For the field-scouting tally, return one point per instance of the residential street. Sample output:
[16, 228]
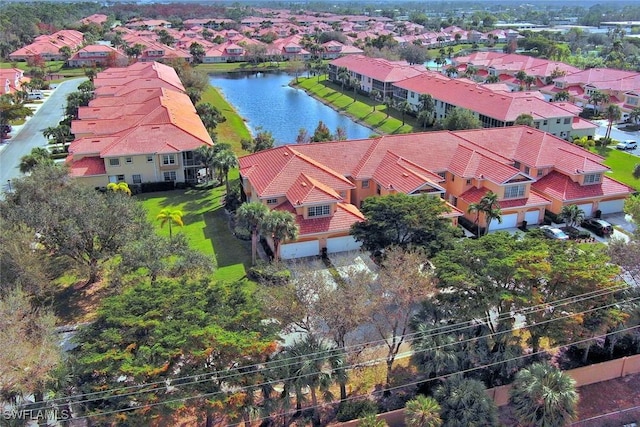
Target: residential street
[28, 136]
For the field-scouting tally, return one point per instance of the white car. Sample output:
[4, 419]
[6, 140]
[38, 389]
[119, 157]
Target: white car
[553, 233]
[35, 95]
[627, 145]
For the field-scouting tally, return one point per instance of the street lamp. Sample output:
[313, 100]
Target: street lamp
[9, 184]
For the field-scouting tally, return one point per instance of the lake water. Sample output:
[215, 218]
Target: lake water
[265, 100]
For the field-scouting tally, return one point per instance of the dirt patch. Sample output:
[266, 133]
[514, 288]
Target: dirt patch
[79, 303]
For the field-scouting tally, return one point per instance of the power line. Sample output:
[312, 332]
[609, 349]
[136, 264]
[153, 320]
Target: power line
[202, 395]
[207, 376]
[439, 330]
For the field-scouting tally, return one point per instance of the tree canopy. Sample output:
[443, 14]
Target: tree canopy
[460, 119]
[402, 220]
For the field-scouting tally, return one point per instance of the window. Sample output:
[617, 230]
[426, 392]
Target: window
[527, 170]
[516, 165]
[343, 194]
[514, 192]
[128, 160]
[272, 201]
[170, 176]
[116, 178]
[632, 101]
[544, 123]
[149, 158]
[592, 178]
[114, 162]
[567, 120]
[365, 183]
[557, 121]
[443, 175]
[137, 179]
[540, 172]
[468, 182]
[537, 125]
[323, 210]
[168, 159]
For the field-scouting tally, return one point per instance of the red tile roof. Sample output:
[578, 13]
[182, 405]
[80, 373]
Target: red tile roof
[341, 221]
[561, 187]
[87, 166]
[379, 69]
[474, 195]
[306, 190]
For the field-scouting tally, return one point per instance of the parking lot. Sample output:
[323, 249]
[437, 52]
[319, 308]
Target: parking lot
[617, 134]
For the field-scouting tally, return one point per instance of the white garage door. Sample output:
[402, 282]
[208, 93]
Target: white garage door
[587, 208]
[299, 250]
[508, 221]
[342, 244]
[532, 217]
[611, 206]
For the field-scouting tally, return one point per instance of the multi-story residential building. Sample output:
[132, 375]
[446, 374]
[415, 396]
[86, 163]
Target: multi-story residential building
[140, 128]
[48, 47]
[98, 55]
[324, 184]
[494, 108]
[11, 80]
[374, 73]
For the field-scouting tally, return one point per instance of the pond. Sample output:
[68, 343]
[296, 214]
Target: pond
[265, 100]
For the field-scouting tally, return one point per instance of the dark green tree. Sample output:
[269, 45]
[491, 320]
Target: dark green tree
[262, 141]
[465, 403]
[403, 220]
[460, 119]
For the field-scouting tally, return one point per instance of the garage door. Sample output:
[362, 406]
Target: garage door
[532, 217]
[299, 250]
[508, 221]
[587, 208]
[611, 206]
[342, 244]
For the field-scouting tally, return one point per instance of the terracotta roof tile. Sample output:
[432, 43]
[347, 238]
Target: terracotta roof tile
[306, 190]
[474, 195]
[87, 166]
[341, 221]
[561, 187]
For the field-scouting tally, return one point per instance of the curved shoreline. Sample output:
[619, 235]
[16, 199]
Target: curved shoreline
[339, 111]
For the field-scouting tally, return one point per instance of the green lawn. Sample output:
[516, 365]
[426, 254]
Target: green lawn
[621, 164]
[206, 225]
[234, 128]
[358, 107]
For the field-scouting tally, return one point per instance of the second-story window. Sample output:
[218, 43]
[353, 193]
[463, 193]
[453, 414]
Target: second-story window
[272, 201]
[168, 159]
[323, 210]
[114, 162]
[592, 178]
[365, 183]
[514, 192]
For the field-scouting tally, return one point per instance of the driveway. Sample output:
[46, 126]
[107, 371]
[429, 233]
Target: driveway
[28, 136]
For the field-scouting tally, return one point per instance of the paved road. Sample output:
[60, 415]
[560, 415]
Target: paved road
[30, 135]
[617, 134]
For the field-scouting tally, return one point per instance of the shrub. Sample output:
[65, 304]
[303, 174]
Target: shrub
[551, 217]
[274, 274]
[354, 409]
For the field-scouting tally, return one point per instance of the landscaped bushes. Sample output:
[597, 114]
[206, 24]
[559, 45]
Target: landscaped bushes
[470, 225]
[150, 187]
[270, 274]
[354, 409]
[550, 217]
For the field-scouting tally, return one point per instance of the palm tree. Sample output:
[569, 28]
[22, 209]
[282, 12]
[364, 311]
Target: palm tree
[520, 76]
[529, 80]
[435, 354]
[634, 115]
[371, 420]
[388, 102]
[404, 108]
[251, 215]
[492, 79]
[170, 216]
[280, 225]
[343, 76]
[613, 114]
[470, 71]
[207, 154]
[464, 402]
[451, 71]
[426, 108]
[60, 134]
[120, 187]
[38, 156]
[596, 98]
[316, 366]
[422, 411]
[226, 160]
[544, 396]
[488, 206]
[572, 215]
[375, 94]
[563, 95]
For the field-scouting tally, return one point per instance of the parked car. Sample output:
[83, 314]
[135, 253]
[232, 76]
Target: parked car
[598, 226]
[35, 95]
[553, 233]
[627, 145]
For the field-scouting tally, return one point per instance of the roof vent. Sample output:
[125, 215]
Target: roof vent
[286, 154]
[530, 132]
[304, 184]
[405, 174]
